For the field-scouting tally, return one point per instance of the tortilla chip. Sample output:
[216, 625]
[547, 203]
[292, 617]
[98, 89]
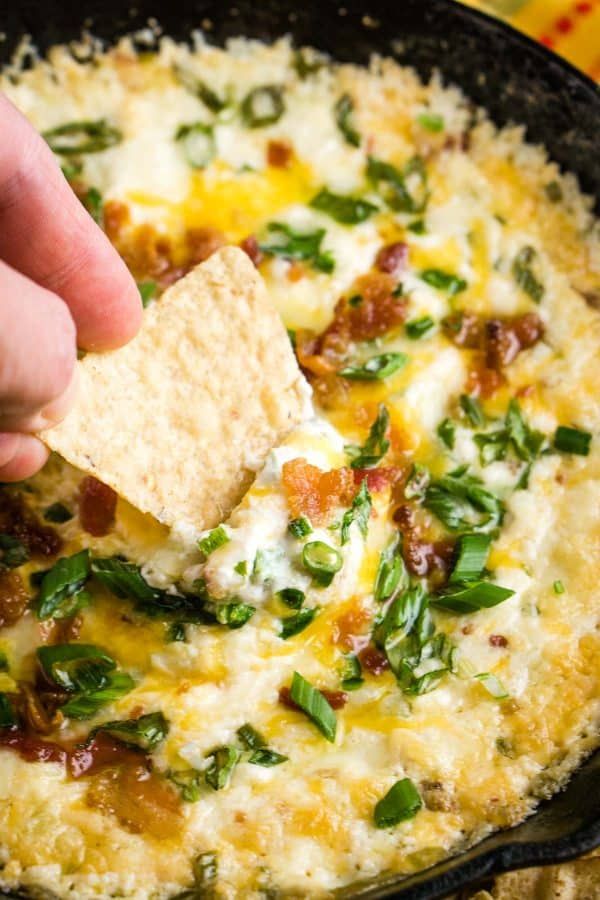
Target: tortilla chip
[178, 421]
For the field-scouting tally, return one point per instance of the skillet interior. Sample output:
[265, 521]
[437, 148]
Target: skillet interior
[514, 79]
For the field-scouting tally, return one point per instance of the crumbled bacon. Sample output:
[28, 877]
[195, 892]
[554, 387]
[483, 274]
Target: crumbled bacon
[380, 478]
[498, 342]
[251, 248]
[21, 523]
[14, 599]
[392, 258]
[350, 629]
[37, 717]
[200, 243]
[498, 640]
[422, 557]
[375, 313]
[279, 154]
[373, 660]
[313, 493]
[97, 506]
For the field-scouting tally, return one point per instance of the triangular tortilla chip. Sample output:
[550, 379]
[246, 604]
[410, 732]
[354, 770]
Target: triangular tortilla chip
[178, 421]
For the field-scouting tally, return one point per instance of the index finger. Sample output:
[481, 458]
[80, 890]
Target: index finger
[46, 234]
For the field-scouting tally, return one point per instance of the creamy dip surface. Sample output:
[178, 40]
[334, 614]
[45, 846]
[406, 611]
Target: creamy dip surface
[391, 647]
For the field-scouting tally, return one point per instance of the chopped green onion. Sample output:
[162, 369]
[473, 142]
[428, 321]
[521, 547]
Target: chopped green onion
[461, 502]
[431, 121]
[234, 615]
[402, 802]
[292, 597]
[4, 667]
[322, 561]
[263, 106]
[376, 445]
[293, 625]
[493, 685]
[223, 762]
[266, 757]
[343, 208]
[359, 512]
[58, 513]
[472, 554]
[443, 281]
[147, 291]
[418, 328]
[250, 738]
[472, 410]
[300, 527]
[200, 89]
[446, 432]
[417, 227]
[75, 667]
[376, 368]
[189, 784]
[471, 596]
[559, 587]
[417, 482]
[176, 633]
[404, 191]
[572, 440]
[123, 578]
[553, 191]
[198, 143]
[391, 573]
[73, 138]
[94, 204]
[215, 539]
[344, 116]
[524, 275]
[8, 718]
[351, 673]
[307, 62]
[71, 169]
[205, 871]
[299, 245]
[13, 552]
[86, 705]
[145, 732]
[66, 578]
[312, 702]
[241, 567]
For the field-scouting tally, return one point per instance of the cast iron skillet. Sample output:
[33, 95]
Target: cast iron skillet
[516, 80]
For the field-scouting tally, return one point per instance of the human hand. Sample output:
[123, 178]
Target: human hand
[62, 285]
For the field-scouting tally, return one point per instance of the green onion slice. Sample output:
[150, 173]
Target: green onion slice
[8, 718]
[402, 802]
[471, 596]
[404, 190]
[292, 597]
[376, 445]
[431, 121]
[344, 115]
[524, 275]
[198, 143]
[322, 561]
[312, 702]
[263, 106]
[376, 368]
[343, 208]
[293, 625]
[572, 440]
[13, 552]
[58, 513]
[359, 512]
[215, 539]
[87, 136]
[351, 673]
[300, 527]
[418, 328]
[443, 281]
[223, 761]
[472, 554]
[391, 573]
[66, 578]
[145, 732]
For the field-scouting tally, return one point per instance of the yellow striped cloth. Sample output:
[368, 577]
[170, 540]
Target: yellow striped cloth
[569, 27]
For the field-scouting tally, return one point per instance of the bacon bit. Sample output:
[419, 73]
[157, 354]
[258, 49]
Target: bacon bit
[422, 557]
[142, 801]
[102, 752]
[14, 599]
[499, 339]
[483, 382]
[436, 797]
[349, 629]
[373, 660]
[279, 154]
[20, 522]
[392, 258]
[498, 640]
[377, 313]
[34, 712]
[97, 506]
[336, 699]
[31, 749]
[116, 217]
[378, 479]
[252, 249]
[314, 493]
[468, 629]
[201, 243]
[464, 330]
